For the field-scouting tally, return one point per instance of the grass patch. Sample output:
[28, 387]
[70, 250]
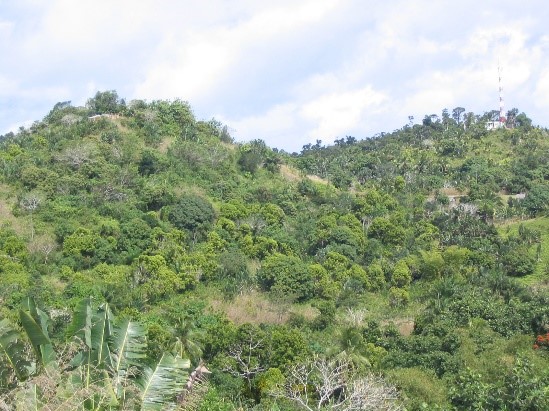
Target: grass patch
[255, 307]
[290, 173]
[7, 219]
[377, 307]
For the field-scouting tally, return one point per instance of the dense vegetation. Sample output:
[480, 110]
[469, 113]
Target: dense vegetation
[409, 270]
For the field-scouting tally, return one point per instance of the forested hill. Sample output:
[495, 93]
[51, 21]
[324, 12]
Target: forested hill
[408, 270]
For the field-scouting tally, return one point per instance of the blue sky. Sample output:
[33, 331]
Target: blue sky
[288, 72]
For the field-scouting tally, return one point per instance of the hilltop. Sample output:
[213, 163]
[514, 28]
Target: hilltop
[418, 255]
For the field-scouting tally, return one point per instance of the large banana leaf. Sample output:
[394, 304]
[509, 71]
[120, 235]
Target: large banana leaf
[81, 325]
[128, 350]
[95, 330]
[161, 384]
[38, 337]
[128, 346]
[39, 316]
[100, 335]
[13, 349]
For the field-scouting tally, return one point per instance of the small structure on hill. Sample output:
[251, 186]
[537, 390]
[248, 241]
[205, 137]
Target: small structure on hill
[104, 115]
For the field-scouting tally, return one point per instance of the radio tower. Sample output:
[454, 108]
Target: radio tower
[501, 104]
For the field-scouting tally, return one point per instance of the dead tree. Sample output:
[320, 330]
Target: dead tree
[322, 384]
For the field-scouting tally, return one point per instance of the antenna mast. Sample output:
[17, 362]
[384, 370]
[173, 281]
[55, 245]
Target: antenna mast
[501, 103]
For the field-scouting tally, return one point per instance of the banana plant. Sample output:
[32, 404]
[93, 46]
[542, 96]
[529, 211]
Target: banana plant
[128, 355]
[12, 356]
[13, 348]
[110, 371]
[161, 383]
[35, 323]
[116, 356]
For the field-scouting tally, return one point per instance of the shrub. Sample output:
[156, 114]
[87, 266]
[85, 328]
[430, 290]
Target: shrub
[398, 297]
[518, 262]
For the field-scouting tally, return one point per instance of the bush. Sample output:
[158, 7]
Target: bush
[376, 277]
[192, 213]
[537, 200]
[421, 388]
[518, 262]
[287, 275]
[402, 277]
[398, 297]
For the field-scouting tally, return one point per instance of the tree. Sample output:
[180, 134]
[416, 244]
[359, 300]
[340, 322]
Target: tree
[523, 122]
[155, 279]
[445, 118]
[431, 264]
[78, 155]
[286, 274]
[186, 342]
[286, 346]
[253, 155]
[518, 262]
[30, 203]
[537, 200]
[15, 280]
[398, 297]
[387, 232]
[43, 245]
[151, 162]
[456, 114]
[512, 117]
[106, 102]
[233, 271]
[82, 246]
[522, 388]
[193, 214]
[322, 384]
[245, 357]
[401, 277]
[376, 277]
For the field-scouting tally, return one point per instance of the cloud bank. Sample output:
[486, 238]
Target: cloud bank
[284, 71]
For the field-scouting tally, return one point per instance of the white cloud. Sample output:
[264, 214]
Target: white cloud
[289, 72]
[277, 125]
[341, 113]
[324, 117]
[198, 62]
[542, 91]
[88, 27]
[473, 81]
[7, 87]
[6, 29]
[193, 69]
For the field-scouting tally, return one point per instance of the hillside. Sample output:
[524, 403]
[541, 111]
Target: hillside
[412, 264]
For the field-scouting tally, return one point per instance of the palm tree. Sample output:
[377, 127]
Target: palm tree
[351, 347]
[186, 341]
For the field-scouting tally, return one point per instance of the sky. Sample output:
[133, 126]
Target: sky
[286, 71]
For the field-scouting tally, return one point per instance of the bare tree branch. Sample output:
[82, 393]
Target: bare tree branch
[332, 385]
